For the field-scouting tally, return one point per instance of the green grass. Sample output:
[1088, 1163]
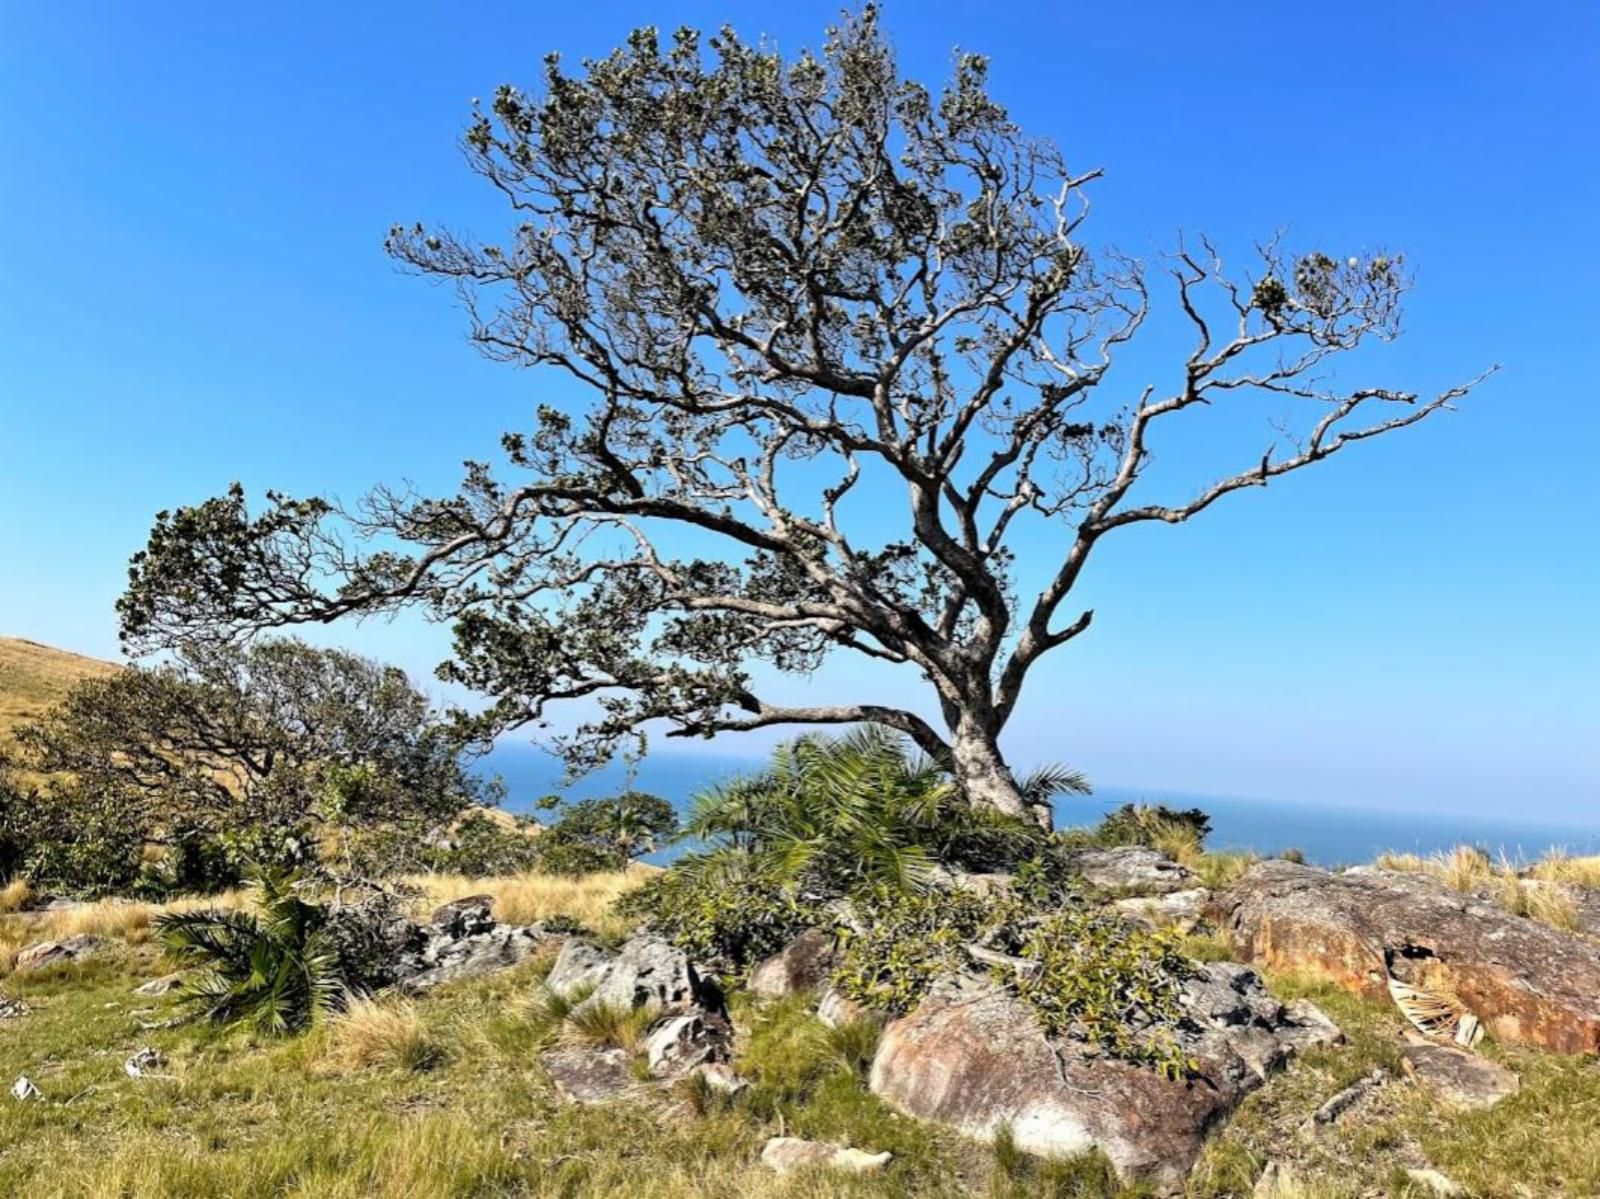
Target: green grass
[444, 1096]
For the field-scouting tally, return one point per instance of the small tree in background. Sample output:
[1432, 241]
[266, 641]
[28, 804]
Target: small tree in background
[842, 346]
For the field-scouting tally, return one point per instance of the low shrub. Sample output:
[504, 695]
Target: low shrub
[1177, 833]
[722, 909]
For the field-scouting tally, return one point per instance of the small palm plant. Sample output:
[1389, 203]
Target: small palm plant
[274, 968]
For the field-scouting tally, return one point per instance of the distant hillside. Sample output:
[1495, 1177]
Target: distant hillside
[33, 677]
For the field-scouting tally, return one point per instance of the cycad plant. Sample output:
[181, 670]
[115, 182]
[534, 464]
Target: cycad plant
[832, 815]
[274, 968]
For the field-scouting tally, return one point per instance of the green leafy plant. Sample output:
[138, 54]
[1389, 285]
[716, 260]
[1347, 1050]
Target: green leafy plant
[605, 834]
[726, 910]
[1176, 832]
[275, 968]
[833, 815]
[899, 942]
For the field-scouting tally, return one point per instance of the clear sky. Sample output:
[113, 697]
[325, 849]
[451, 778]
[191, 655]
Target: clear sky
[193, 196]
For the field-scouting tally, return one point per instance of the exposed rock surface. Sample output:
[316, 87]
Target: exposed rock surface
[1460, 1079]
[1131, 870]
[647, 971]
[589, 1075]
[446, 959]
[835, 1008]
[579, 968]
[53, 953]
[802, 965]
[164, 985]
[12, 1009]
[1527, 982]
[783, 1154]
[465, 917]
[972, 1056]
[1182, 910]
[680, 1043]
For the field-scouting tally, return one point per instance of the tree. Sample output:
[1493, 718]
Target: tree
[788, 290]
[228, 740]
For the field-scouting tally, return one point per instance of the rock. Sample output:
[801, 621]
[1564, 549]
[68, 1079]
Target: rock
[463, 917]
[1436, 1182]
[24, 1089]
[647, 971]
[1346, 1099]
[680, 1043]
[784, 1154]
[719, 1076]
[12, 1009]
[1461, 1080]
[1528, 983]
[53, 953]
[1232, 1000]
[579, 968]
[802, 965]
[143, 1062]
[1130, 870]
[447, 960]
[589, 1075]
[973, 1057]
[164, 985]
[1182, 910]
[834, 1009]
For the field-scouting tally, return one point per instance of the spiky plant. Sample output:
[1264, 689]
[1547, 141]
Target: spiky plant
[274, 968]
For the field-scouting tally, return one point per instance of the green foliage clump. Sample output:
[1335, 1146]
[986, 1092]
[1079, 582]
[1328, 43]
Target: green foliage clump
[1156, 826]
[605, 834]
[725, 910]
[899, 942]
[1106, 980]
[276, 968]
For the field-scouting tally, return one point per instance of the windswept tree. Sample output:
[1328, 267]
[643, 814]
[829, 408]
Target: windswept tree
[792, 301]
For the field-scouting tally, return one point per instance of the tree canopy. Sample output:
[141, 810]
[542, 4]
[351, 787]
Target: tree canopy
[784, 293]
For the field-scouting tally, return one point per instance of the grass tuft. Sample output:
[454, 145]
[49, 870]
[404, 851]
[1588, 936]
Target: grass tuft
[386, 1032]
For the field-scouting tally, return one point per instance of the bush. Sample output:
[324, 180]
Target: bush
[1100, 978]
[482, 847]
[605, 834]
[1157, 826]
[723, 910]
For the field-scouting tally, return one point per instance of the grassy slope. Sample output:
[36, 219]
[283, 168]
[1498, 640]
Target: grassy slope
[460, 1106]
[33, 677]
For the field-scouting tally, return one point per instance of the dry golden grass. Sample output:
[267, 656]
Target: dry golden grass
[35, 677]
[1560, 867]
[528, 898]
[380, 1032]
[15, 895]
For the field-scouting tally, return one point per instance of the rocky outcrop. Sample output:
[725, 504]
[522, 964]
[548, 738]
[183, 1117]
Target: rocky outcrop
[1528, 983]
[56, 953]
[835, 1009]
[1459, 1079]
[647, 971]
[461, 940]
[802, 965]
[447, 959]
[1130, 870]
[973, 1057]
[678, 1044]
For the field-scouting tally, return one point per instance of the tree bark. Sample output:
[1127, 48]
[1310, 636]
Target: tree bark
[985, 779]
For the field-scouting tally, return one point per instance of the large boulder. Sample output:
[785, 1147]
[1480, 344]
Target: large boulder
[802, 965]
[1527, 982]
[1130, 870]
[447, 959]
[1459, 1079]
[973, 1057]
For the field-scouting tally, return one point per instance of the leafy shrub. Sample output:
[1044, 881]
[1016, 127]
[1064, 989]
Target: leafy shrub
[899, 942]
[1100, 978]
[276, 968]
[1109, 981]
[481, 847]
[724, 910]
[1173, 831]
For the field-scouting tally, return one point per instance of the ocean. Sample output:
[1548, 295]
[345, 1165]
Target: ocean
[1328, 835]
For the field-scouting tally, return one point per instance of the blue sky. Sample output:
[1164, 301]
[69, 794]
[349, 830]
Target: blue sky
[192, 291]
